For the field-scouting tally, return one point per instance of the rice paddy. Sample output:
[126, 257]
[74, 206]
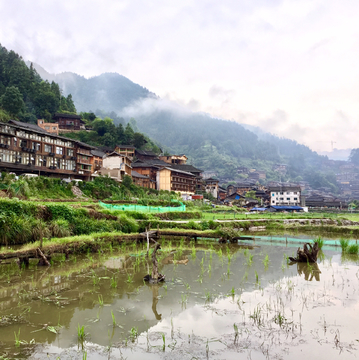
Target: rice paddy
[224, 301]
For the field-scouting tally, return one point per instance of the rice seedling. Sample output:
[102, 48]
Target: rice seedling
[114, 282]
[81, 335]
[17, 339]
[100, 300]
[208, 296]
[266, 261]
[164, 342]
[344, 243]
[320, 242]
[184, 298]
[129, 279]
[133, 333]
[257, 277]
[235, 332]
[113, 319]
[250, 259]
[352, 249]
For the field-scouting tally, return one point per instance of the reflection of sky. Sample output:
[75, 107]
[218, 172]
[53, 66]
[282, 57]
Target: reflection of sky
[326, 306]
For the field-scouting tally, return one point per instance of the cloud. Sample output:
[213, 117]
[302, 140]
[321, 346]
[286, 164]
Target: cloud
[240, 60]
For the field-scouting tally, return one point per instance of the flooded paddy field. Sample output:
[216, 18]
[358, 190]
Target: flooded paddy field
[218, 302]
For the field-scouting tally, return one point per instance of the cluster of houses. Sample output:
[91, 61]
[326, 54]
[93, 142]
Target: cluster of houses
[38, 149]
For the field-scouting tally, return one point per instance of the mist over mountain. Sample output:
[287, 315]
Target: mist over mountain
[212, 144]
[107, 92]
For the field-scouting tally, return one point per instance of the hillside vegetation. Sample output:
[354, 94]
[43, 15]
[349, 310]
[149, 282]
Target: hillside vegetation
[23, 93]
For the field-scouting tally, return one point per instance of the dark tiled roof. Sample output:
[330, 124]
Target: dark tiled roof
[126, 146]
[179, 171]
[137, 175]
[185, 167]
[146, 152]
[38, 129]
[69, 116]
[140, 163]
[29, 126]
[98, 153]
[83, 144]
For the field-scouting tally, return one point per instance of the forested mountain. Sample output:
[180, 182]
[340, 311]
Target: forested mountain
[210, 143]
[106, 92]
[23, 94]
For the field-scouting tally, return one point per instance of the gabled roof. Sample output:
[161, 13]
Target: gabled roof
[185, 167]
[126, 146]
[176, 170]
[69, 116]
[137, 175]
[146, 153]
[29, 126]
[98, 153]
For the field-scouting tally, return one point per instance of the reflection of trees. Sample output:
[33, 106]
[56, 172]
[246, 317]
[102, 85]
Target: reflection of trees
[309, 271]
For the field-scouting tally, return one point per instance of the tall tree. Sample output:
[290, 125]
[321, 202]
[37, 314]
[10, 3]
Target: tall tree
[12, 100]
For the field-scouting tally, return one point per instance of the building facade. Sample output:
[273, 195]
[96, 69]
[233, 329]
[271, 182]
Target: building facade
[27, 148]
[176, 180]
[69, 122]
[285, 195]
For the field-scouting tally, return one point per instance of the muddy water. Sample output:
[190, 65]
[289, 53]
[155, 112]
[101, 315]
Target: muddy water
[222, 302]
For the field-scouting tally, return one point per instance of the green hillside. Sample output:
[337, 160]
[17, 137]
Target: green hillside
[24, 95]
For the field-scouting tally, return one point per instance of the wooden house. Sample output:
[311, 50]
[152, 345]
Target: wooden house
[69, 122]
[27, 148]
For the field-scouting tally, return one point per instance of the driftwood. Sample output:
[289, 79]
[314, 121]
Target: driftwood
[43, 260]
[309, 254]
[156, 276]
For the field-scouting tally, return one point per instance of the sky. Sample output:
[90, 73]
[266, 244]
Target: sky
[287, 66]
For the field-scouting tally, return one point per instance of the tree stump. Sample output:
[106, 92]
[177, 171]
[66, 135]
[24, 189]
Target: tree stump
[309, 254]
[156, 276]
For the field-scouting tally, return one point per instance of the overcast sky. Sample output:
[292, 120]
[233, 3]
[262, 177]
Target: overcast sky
[290, 67]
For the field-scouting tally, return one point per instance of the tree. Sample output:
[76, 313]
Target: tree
[354, 156]
[127, 182]
[138, 140]
[12, 100]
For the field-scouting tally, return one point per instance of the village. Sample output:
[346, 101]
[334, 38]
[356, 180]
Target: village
[37, 150]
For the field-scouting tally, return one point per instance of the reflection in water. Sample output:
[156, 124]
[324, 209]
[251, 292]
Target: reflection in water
[95, 289]
[155, 288]
[309, 270]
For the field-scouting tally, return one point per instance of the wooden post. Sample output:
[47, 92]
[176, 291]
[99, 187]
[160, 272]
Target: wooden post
[155, 263]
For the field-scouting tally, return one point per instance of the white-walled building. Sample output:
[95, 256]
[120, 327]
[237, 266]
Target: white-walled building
[116, 166]
[285, 195]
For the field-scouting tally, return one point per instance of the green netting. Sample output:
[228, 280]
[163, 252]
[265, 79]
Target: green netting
[142, 208]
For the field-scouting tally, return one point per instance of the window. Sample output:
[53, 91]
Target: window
[48, 148]
[272, 194]
[281, 193]
[288, 198]
[36, 146]
[281, 198]
[70, 152]
[295, 198]
[59, 150]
